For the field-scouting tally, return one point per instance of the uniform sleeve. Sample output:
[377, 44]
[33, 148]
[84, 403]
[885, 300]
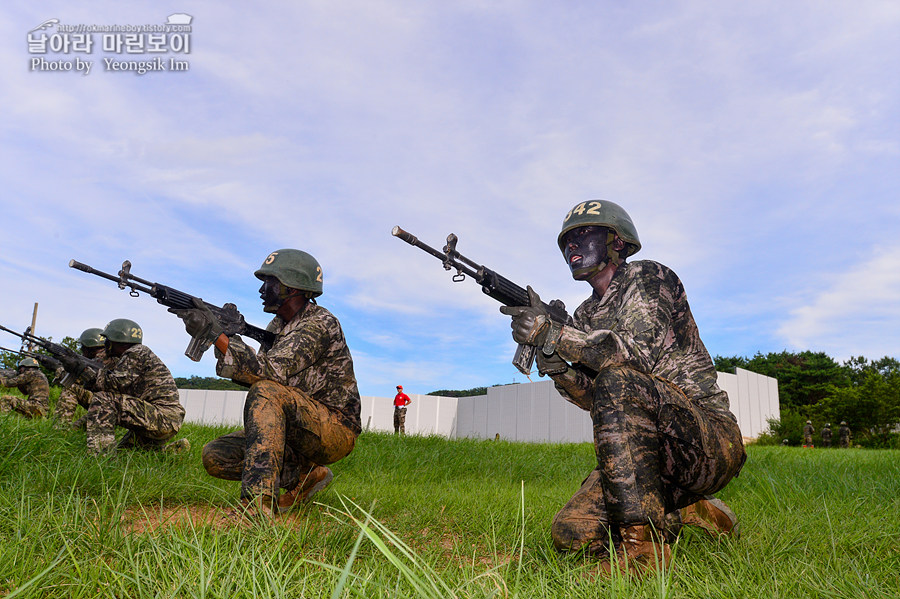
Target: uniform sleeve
[575, 386]
[291, 354]
[641, 328]
[12, 381]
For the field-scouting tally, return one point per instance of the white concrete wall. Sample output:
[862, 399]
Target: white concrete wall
[528, 412]
[753, 399]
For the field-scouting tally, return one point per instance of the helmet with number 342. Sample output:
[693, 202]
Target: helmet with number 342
[293, 268]
[602, 213]
[122, 330]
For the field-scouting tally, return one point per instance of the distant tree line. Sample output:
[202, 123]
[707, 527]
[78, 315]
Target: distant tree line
[459, 393]
[813, 386]
[207, 382]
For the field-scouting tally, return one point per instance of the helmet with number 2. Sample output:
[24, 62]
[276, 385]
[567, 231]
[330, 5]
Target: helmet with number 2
[122, 330]
[293, 268]
[602, 213]
[91, 338]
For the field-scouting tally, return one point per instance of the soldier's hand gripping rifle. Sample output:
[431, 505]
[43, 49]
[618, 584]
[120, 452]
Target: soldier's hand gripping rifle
[230, 320]
[493, 284]
[73, 362]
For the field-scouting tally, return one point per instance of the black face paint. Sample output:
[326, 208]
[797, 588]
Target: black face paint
[90, 352]
[271, 294]
[585, 249]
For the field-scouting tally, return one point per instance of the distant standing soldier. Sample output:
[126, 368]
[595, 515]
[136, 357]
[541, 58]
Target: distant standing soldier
[401, 400]
[844, 434]
[303, 408]
[29, 379]
[808, 432]
[91, 344]
[134, 390]
[826, 435]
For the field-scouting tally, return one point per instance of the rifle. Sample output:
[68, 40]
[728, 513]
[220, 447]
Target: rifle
[57, 351]
[492, 284]
[172, 298]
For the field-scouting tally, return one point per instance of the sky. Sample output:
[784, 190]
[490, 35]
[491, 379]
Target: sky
[755, 145]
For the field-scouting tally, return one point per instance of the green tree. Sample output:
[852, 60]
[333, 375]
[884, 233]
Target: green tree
[729, 363]
[870, 404]
[207, 382]
[804, 378]
[459, 393]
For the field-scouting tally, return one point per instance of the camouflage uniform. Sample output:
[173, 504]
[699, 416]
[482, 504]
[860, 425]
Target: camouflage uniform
[33, 384]
[663, 433]
[136, 392]
[75, 395]
[826, 437]
[808, 431]
[844, 434]
[302, 411]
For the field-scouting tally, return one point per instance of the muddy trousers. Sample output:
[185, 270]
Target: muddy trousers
[149, 426]
[23, 405]
[657, 451]
[286, 434]
[68, 402]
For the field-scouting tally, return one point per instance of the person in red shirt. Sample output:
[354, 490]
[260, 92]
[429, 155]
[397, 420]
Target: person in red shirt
[401, 400]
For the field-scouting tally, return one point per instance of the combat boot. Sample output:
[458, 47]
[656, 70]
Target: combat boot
[642, 550]
[180, 446]
[317, 479]
[261, 507]
[713, 516]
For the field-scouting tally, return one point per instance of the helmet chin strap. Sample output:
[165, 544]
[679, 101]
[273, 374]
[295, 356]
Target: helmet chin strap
[612, 257]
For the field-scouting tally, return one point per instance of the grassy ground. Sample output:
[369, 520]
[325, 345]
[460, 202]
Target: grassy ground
[421, 517]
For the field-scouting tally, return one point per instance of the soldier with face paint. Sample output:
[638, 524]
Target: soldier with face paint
[91, 342]
[303, 408]
[133, 390]
[631, 355]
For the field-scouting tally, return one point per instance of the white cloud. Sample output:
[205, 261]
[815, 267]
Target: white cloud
[854, 313]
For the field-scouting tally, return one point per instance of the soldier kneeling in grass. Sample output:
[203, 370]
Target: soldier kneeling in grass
[664, 437]
[303, 408]
[29, 379]
[133, 390]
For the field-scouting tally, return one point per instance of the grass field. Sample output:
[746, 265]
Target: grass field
[421, 517]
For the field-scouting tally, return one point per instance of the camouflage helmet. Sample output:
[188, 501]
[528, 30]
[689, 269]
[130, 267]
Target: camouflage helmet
[293, 268]
[28, 363]
[91, 338]
[602, 213]
[122, 330]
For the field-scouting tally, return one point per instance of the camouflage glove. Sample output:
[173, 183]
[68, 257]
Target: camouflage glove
[48, 362]
[199, 321]
[550, 365]
[530, 324]
[231, 320]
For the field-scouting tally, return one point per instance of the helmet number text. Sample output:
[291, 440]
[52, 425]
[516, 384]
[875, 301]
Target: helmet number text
[592, 208]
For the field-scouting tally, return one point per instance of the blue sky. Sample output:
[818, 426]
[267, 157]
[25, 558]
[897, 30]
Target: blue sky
[755, 145]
